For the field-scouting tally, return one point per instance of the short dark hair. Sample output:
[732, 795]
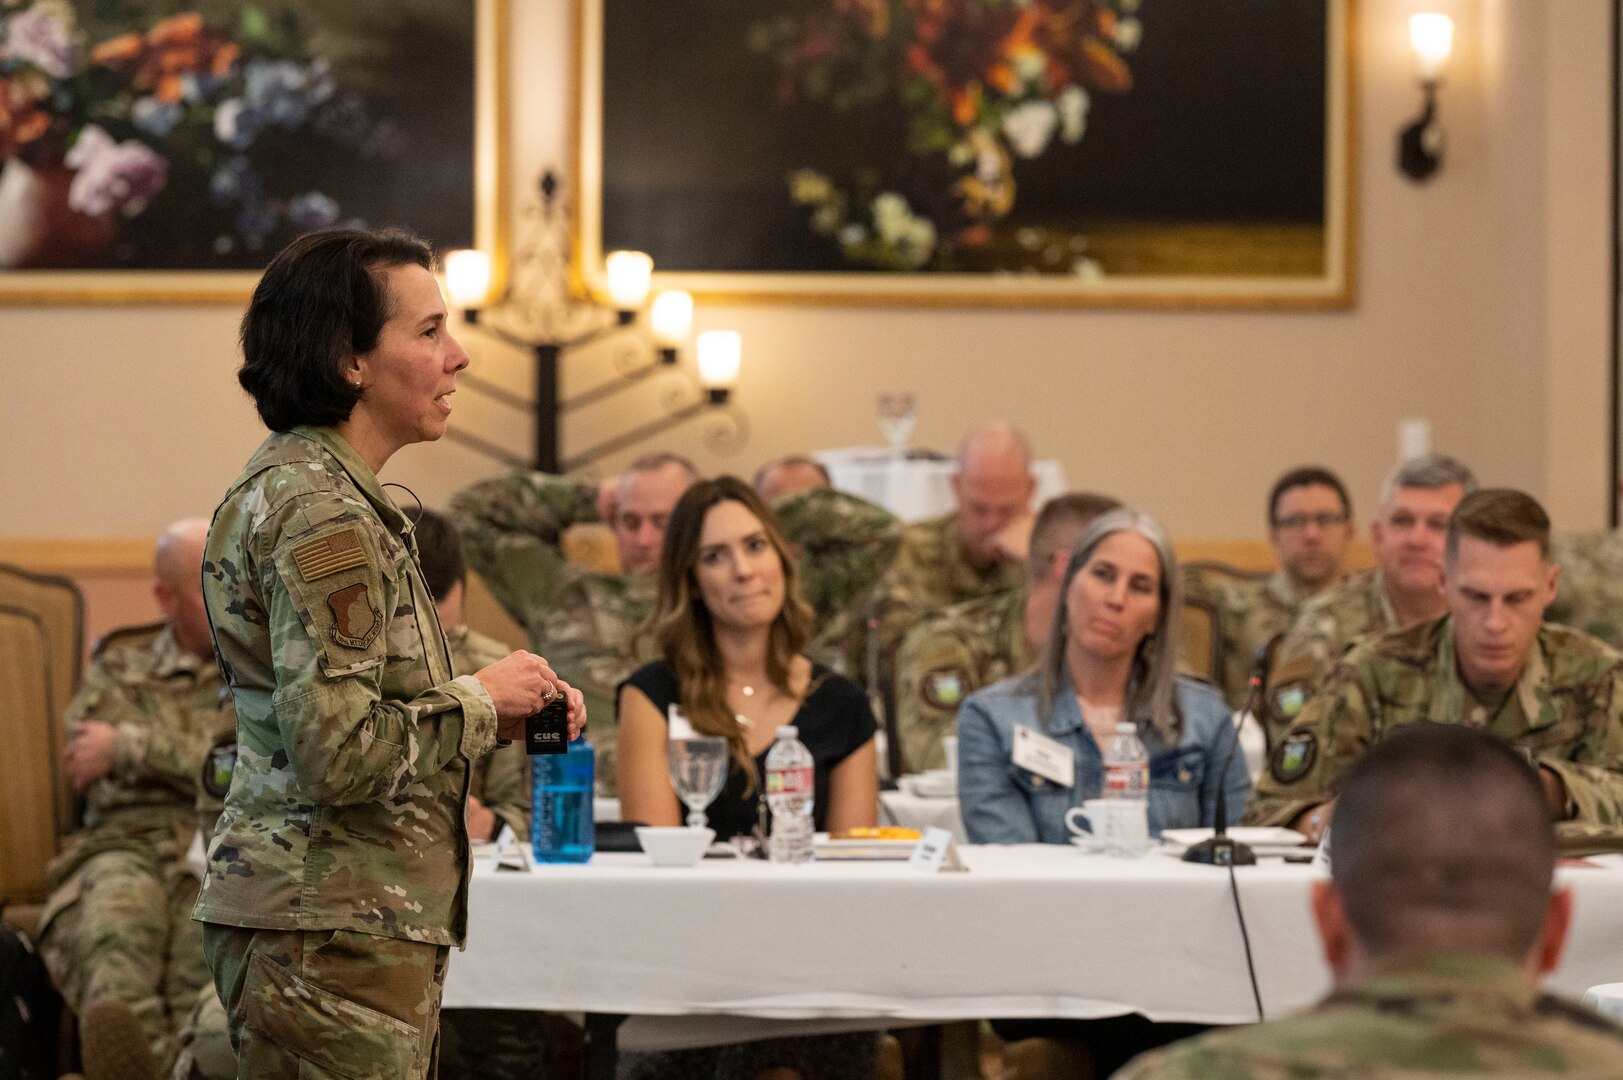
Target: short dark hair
[322, 299]
[439, 549]
[1504, 517]
[1307, 476]
[1442, 840]
[1060, 524]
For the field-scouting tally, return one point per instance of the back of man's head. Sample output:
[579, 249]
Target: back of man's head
[1504, 517]
[440, 551]
[1059, 525]
[998, 449]
[1442, 842]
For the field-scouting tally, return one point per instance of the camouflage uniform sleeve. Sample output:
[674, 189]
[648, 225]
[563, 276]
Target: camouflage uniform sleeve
[846, 543]
[512, 529]
[165, 752]
[1330, 734]
[151, 745]
[934, 673]
[346, 743]
[504, 787]
[1593, 770]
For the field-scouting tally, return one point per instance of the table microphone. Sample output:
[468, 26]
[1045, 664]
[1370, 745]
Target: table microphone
[1221, 849]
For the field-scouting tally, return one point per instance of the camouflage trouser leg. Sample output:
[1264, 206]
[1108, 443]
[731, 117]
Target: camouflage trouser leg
[113, 941]
[308, 1005]
[205, 1041]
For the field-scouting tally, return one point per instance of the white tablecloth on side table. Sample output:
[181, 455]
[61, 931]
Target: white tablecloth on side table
[1029, 931]
[914, 490]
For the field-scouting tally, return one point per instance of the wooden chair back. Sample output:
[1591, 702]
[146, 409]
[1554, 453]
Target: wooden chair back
[60, 607]
[31, 780]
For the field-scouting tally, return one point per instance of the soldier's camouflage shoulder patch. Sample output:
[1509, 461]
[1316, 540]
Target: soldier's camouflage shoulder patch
[1294, 756]
[356, 619]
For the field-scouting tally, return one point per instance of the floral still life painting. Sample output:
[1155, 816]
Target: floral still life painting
[1001, 150]
[204, 136]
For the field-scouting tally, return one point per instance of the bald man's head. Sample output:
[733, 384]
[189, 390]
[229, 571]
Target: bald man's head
[177, 569]
[1442, 841]
[993, 486]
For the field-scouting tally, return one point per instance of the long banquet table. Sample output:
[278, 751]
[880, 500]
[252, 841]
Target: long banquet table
[1028, 931]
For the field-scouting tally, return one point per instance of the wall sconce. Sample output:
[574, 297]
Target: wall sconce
[1420, 144]
[537, 312]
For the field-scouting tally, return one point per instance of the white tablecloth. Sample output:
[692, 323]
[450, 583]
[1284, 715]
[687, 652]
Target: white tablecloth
[914, 490]
[1029, 931]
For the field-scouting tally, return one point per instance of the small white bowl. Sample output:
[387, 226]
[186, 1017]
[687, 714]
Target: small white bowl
[674, 845]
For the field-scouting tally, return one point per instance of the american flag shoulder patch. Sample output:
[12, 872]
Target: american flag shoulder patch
[329, 554]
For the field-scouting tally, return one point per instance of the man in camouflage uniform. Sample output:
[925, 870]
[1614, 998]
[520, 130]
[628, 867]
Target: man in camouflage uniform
[1591, 596]
[973, 552]
[584, 620]
[1309, 527]
[587, 621]
[117, 932]
[1437, 921]
[953, 652]
[1404, 588]
[1490, 663]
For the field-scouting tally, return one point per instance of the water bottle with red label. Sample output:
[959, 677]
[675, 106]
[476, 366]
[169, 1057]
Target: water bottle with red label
[1127, 787]
[790, 793]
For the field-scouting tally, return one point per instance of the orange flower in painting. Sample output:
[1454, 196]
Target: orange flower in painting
[174, 48]
[1103, 69]
[22, 121]
[966, 105]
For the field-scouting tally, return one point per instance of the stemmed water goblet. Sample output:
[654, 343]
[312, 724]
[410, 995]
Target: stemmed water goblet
[698, 769]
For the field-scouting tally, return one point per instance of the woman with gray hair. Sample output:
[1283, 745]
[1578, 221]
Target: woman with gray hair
[1109, 658]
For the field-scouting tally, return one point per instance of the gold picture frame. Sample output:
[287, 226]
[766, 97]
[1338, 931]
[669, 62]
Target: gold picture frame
[490, 201]
[1320, 258]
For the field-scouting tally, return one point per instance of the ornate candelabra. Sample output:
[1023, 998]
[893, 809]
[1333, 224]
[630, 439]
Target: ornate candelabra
[538, 311]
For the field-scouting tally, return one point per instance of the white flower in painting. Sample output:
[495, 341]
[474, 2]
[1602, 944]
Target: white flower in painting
[852, 235]
[917, 244]
[1073, 104]
[1129, 32]
[1028, 127]
[826, 218]
[108, 175]
[1087, 269]
[891, 217]
[1030, 65]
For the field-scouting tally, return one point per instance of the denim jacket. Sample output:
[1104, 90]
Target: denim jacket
[1004, 804]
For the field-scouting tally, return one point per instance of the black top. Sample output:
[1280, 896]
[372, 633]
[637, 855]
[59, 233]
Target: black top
[833, 721]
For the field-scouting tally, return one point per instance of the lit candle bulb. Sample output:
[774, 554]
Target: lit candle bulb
[630, 274]
[1432, 37]
[720, 355]
[467, 277]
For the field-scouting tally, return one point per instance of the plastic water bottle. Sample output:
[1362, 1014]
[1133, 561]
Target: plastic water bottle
[561, 826]
[1127, 787]
[790, 792]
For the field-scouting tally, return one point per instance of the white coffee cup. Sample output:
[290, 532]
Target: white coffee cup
[949, 746]
[1096, 812]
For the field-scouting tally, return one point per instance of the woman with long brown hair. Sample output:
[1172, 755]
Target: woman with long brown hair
[730, 628]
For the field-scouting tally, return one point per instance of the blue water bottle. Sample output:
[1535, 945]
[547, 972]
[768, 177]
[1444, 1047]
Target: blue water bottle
[561, 827]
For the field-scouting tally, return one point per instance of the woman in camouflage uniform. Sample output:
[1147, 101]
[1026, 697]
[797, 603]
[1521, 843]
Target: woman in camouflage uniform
[337, 875]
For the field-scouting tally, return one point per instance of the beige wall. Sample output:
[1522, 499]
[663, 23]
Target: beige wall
[1482, 308]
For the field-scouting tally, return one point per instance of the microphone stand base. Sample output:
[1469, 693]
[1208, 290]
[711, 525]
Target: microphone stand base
[1220, 851]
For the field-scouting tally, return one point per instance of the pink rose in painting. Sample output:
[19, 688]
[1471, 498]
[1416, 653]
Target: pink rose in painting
[122, 176]
[44, 38]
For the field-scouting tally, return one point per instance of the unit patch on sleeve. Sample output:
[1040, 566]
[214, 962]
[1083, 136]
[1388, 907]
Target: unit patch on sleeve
[356, 620]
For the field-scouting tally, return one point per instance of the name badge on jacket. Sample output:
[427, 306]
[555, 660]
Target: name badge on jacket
[1047, 758]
